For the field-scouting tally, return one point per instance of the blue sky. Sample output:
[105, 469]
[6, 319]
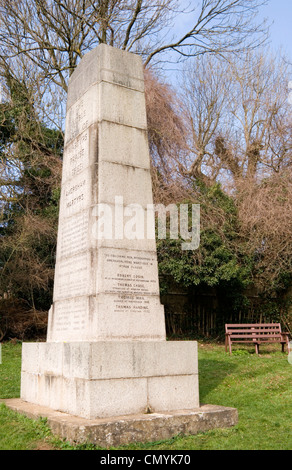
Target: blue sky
[280, 12]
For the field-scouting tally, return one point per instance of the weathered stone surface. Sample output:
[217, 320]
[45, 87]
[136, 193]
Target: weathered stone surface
[109, 65]
[129, 429]
[103, 379]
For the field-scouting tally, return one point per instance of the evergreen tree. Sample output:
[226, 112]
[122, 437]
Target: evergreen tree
[30, 178]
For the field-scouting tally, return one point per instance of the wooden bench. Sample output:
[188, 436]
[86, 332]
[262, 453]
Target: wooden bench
[256, 334]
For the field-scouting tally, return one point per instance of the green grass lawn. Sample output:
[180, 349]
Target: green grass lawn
[258, 386]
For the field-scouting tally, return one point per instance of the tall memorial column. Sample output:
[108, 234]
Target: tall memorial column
[106, 352]
[106, 281]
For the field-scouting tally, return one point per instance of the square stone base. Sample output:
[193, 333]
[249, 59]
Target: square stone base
[106, 379]
[123, 430]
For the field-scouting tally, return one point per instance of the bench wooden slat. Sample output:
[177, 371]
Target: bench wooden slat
[258, 325]
[254, 331]
[264, 330]
[259, 340]
[255, 336]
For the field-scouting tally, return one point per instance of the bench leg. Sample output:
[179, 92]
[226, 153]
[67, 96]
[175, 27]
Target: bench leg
[257, 348]
[228, 343]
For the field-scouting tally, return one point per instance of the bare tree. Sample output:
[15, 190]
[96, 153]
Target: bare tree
[238, 117]
[205, 97]
[55, 34]
[45, 39]
[265, 214]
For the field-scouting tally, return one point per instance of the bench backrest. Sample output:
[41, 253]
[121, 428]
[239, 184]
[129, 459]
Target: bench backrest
[253, 329]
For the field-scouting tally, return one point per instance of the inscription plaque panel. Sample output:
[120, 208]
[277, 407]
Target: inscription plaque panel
[71, 315]
[132, 273]
[76, 156]
[73, 236]
[82, 114]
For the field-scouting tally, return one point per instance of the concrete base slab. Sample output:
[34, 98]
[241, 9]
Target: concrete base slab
[123, 430]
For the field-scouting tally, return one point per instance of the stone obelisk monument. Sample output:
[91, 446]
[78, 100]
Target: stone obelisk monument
[106, 352]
